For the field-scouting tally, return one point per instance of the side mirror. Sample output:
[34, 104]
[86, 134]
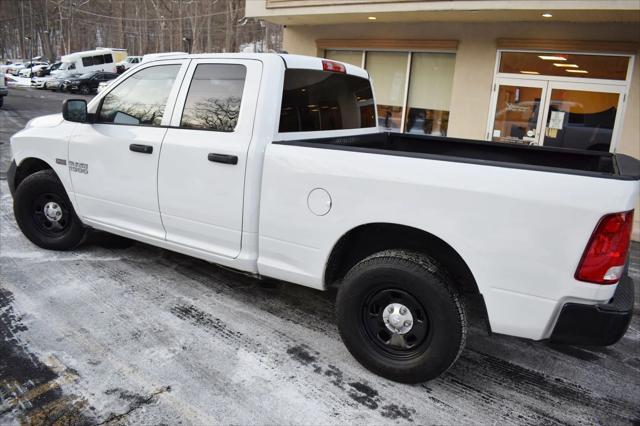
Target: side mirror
[75, 110]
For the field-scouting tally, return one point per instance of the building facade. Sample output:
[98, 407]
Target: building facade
[561, 73]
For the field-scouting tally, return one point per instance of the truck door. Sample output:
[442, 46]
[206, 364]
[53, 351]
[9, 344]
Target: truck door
[204, 155]
[113, 162]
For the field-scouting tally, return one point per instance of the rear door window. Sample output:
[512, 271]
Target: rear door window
[315, 100]
[214, 97]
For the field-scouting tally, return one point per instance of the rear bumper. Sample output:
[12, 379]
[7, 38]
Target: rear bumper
[596, 325]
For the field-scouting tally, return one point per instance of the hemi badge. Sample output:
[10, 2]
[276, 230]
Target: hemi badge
[61, 161]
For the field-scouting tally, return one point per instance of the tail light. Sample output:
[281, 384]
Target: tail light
[333, 66]
[606, 254]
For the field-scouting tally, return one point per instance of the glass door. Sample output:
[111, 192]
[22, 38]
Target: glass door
[582, 116]
[517, 116]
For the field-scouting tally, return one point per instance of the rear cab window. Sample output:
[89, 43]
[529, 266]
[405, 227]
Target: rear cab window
[314, 100]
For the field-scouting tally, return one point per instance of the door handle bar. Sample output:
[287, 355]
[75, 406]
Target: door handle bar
[223, 158]
[144, 149]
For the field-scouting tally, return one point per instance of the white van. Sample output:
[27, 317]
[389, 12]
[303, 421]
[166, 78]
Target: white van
[90, 60]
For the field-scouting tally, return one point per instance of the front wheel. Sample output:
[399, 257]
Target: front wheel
[400, 317]
[85, 90]
[44, 212]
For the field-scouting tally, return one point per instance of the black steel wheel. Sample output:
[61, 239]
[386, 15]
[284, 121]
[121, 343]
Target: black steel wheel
[51, 214]
[400, 316]
[396, 322]
[45, 214]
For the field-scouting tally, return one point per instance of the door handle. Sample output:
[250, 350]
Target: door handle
[223, 158]
[145, 149]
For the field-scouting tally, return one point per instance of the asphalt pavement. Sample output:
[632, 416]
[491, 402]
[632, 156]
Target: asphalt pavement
[120, 332]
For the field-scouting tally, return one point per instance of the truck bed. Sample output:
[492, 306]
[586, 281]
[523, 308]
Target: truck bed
[555, 160]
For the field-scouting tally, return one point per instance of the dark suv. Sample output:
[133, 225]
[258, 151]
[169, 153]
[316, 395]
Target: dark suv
[87, 83]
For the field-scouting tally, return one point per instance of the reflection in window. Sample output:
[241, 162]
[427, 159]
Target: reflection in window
[318, 100]
[213, 101]
[388, 72]
[581, 119]
[141, 98]
[430, 84]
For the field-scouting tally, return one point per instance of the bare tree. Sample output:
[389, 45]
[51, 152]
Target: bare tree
[52, 28]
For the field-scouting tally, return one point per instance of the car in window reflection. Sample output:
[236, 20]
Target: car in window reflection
[87, 83]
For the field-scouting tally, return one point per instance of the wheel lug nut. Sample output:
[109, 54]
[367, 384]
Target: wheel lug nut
[390, 309]
[403, 310]
[407, 323]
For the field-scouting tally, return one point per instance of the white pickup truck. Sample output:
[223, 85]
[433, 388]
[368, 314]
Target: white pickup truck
[274, 165]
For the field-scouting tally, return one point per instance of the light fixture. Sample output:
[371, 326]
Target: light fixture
[372, 18]
[547, 15]
[552, 57]
[529, 72]
[566, 65]
[578, 71]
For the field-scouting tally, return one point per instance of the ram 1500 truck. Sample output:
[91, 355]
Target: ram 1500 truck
[274, 165]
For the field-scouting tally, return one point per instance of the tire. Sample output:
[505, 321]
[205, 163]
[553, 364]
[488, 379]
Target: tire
[431, 330]
[85, 90]
[37, 192]
[1, 101]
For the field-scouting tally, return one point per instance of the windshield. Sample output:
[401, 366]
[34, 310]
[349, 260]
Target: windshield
[67, 66]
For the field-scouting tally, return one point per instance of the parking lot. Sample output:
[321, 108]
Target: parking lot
[122, 332]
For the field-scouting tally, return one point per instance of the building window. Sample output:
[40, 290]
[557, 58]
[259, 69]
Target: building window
[429, 97]
[416, 103]
[606, 67]
[388, 71]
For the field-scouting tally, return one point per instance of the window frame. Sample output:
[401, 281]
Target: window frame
[409, 53]
[95, 106]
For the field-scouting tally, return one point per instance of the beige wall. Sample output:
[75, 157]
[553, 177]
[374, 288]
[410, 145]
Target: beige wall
[475, 62]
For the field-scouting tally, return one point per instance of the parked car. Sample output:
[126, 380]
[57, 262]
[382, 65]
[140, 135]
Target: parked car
[14, 68]
[25, 68]
[43, 72]
[39, 82]
[3, 89]
[55, 82]
[4, 68]
[32, 71]
[274, 165]
[129, 62]
[87, 83]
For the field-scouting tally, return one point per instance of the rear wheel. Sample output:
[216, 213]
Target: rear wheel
[400, 316]
[44, 212]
